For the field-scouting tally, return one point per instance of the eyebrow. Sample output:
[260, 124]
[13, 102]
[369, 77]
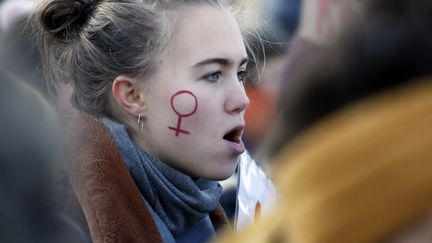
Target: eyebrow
[221, 61]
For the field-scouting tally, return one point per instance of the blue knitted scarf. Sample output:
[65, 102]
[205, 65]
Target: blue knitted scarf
[179, 201]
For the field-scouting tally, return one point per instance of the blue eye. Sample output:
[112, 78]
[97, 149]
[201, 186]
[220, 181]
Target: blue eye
[241, 76]
[215, 76]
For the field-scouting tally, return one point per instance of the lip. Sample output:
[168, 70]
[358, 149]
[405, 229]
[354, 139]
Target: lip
[236, 148]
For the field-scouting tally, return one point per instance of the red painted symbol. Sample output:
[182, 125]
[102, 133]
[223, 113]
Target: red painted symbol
[178, 129]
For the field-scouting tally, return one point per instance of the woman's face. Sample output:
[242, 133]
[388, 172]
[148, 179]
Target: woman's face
[195, 102]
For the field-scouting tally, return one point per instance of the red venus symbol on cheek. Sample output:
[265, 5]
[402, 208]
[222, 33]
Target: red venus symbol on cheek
[178, 129]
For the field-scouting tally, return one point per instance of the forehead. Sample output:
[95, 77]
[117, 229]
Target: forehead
[205, 31]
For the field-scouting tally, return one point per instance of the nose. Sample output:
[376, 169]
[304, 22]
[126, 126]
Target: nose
[237, 100]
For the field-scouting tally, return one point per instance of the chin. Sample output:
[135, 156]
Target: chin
[221, 173]
[221, 177]
[216, 170]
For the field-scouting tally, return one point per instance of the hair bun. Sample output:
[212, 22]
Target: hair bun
[63, 18]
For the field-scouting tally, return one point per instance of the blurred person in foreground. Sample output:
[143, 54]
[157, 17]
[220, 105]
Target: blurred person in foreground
[351, 148]
[21, 64]
[28, 152]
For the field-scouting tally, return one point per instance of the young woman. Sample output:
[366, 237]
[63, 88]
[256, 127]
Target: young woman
[163, 84]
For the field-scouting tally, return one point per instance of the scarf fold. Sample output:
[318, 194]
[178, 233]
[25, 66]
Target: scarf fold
[179, 201]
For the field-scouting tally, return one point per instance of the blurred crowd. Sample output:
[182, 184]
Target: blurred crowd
[340, 114]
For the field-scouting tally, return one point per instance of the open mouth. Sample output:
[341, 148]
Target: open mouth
[234, 135]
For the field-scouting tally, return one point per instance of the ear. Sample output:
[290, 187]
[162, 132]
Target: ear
[129, 95]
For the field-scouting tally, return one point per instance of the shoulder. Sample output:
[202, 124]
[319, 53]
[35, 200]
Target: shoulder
[107, 193]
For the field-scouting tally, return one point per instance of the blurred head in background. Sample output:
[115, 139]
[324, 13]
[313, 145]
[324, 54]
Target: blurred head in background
[387, 48]
[278, 25]
[292, 32]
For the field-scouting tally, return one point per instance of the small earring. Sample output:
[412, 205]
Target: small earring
[140, 123]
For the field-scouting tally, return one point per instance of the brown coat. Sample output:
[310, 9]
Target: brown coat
[109, 198]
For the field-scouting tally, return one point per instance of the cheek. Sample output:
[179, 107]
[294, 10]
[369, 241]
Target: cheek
[207, 120]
